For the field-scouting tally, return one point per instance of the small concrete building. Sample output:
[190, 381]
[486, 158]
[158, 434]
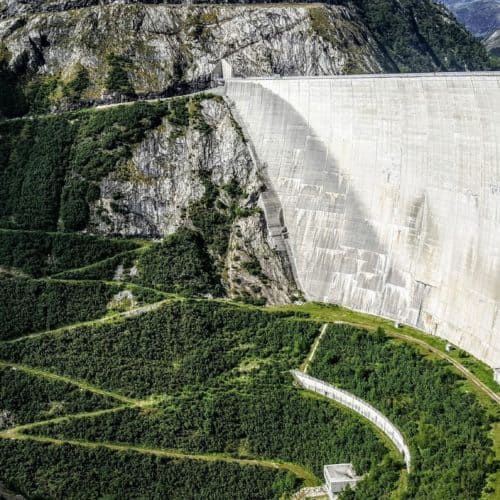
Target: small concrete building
[338, 477]
[222, 71]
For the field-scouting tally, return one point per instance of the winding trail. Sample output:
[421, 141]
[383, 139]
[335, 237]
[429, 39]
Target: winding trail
[61, 378]
[137, 311]
[301, 472]
[314, 348]
[461, 368]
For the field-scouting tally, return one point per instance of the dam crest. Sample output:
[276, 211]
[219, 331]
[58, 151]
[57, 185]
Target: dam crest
[389, 187]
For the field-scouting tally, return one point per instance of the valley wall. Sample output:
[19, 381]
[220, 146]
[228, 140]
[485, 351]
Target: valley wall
[390, 193]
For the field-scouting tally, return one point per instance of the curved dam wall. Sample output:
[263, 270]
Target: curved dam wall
[359, 406]
[390, 193]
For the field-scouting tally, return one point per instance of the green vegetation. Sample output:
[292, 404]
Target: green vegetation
[419, 35]
[253, 267]
[446, 427]
[428, 345]
[180, 264]
[190, 261]
[33, 161]
[213, 217]
[118, 79]
[50, 166]
[222, 374]
[38, 253]
[74, 89]
[29, 398]
[182, 343]
[63, 471]
[254, 416]
[12, 100]
[104, 269]
[33, 305]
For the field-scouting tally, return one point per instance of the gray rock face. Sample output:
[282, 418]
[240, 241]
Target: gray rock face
[149, 195]
[390, 194]
[493, 43]
[6, 419]
[272, 279]
[168, 44]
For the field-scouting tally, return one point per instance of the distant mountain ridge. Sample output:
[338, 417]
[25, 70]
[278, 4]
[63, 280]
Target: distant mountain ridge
[481, 17]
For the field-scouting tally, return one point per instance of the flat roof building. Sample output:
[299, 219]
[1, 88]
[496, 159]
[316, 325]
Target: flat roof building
[338, 477]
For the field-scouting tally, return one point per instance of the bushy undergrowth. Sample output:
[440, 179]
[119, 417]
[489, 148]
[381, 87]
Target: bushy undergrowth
[29, 398]
[224, 372]
[182, 343]
[259, 415]
[417, 35]
[50, 166]
[62, 471]
[38, 253]
[34, 305]
[179, 264]
[446, 427]
[105, 269]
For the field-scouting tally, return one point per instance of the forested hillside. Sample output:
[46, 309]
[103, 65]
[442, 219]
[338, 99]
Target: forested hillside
[137, 359]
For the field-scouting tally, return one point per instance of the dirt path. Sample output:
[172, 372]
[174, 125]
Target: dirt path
[461, 368]
[61, 378]
[314, 348]
[137, 311]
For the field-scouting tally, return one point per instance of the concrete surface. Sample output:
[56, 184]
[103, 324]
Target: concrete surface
[390, 193]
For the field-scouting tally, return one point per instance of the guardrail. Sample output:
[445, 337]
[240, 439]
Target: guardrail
[442, 74]
[359, 406]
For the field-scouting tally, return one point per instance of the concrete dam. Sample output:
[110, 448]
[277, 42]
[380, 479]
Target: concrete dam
[389, 190]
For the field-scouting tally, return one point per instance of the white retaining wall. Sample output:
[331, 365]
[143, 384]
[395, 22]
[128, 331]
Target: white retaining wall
[390, 191]
[359, 406]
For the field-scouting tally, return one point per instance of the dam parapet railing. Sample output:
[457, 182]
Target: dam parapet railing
[441, 74]
[359, 406]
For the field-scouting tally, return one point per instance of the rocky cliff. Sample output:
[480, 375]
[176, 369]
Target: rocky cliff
[493, 43]
[149, 171]
[55, 51]
[165, 185]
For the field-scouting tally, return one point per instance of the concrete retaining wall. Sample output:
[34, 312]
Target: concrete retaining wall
[390, 190]
[359, 406]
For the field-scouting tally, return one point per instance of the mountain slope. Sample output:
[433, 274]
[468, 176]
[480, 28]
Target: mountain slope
[71, 54]
[481, 17]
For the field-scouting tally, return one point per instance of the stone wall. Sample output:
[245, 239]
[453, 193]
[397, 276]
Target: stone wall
[359, 406]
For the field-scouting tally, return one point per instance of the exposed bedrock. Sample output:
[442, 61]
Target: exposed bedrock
[390, 191]
[165, 44]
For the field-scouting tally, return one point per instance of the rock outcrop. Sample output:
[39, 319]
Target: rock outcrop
[150, 196]
[165, 44]
[493, 43]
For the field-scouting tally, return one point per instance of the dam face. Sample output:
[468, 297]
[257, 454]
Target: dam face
[390, 192]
